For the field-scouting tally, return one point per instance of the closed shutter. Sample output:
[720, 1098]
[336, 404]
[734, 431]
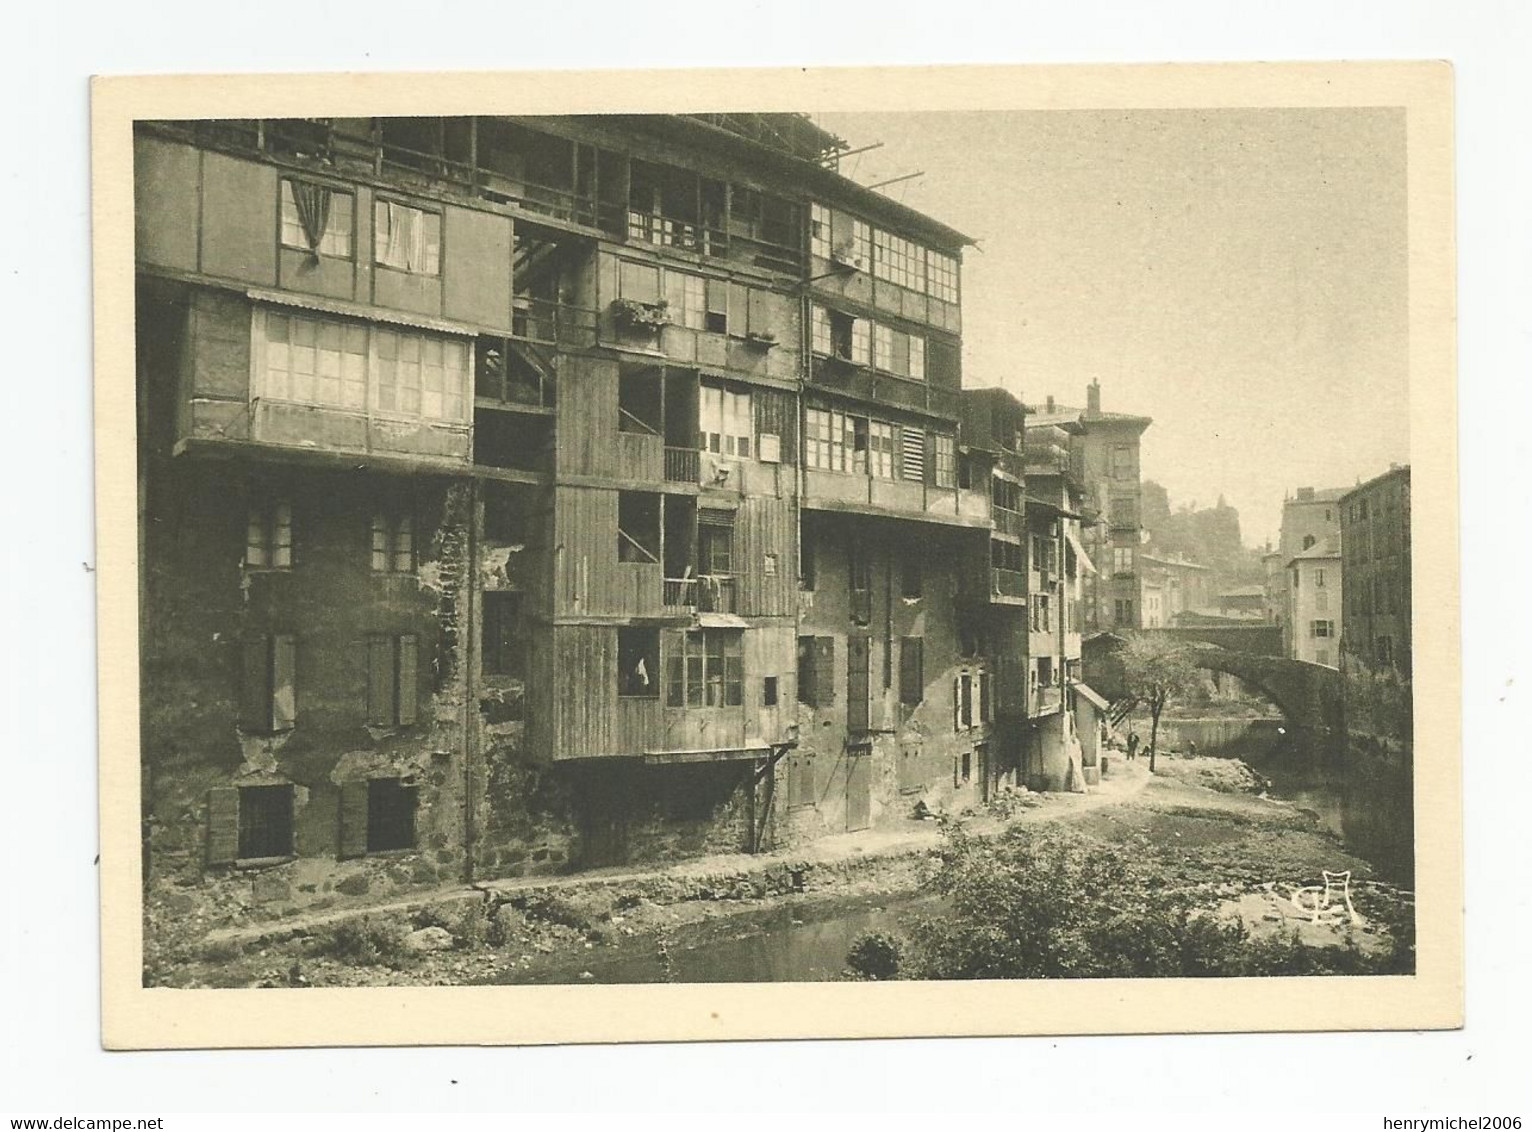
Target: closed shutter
[760, 311]
[255, 684]
[284, 683]
[739, 309]
[409, 652]
[957, 703]
[222, 825]
[717, 302]
[353, 819]
[824, 671]
[912, 456]
[808, 687]
[858, 650]
[380, 681]
[911, 665]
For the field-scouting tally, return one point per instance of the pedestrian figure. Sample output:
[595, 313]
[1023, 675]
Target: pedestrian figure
[1132, 745]
[1191, 748]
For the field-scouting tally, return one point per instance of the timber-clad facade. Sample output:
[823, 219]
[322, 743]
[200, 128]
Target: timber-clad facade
[527, 494]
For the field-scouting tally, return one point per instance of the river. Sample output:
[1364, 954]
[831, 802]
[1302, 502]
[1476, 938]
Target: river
[1365, 801]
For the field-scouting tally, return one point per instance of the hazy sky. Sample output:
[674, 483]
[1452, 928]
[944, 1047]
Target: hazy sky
[1238, 275]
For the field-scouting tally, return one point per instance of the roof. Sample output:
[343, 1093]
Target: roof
[1400, 472]
[1245, 591]
[1321, 550]
[1181, 562]
[1095, 697]
[1045, 505]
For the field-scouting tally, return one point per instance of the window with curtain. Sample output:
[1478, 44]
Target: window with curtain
[317, 219]
[406, 239]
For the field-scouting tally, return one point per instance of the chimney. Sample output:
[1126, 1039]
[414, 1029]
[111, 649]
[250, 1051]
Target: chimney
[1093, 399]
[1050, 402]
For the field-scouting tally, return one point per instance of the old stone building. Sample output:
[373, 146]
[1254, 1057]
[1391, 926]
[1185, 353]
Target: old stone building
[525, 494]
[1377, 653]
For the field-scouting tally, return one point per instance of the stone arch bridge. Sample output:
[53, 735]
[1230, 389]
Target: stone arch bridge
[1308, 695]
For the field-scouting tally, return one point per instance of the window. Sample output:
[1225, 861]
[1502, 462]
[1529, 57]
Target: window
[825, 439]
[707, 669]
[769, 691]
[268, 693]
[859, 573]
[638, 663]
[823, 338]
[912, 584]
[883, 346]
[638, 526]
[727, 426]
[1125, 512]
[390, 814]
[420, 375]
[881, 450]
[1042, 613]
[912, 681]
[1308, 541]
[686, 298]
[265, 822]
[861, 341]
[406, 239]
[944, 460]
[819, 230]
[317, 219]
[898, 260]
[769, 565]
[391, 688]
[327, 362]
[917, 357]
[965, 701]
[1122, 462]
[942, 276]
[269, 536]
[393, 544]
[715, 542]
[1122, 560]
[1124, 611]
[316, 362]
[502, 647]
[1322, 629]
[1319, 578]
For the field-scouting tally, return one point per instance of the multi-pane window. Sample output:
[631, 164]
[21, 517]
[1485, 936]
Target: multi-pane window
[726, 427]
[316, 362]
[686, 299]
[819, 230]
[880, 462]
[707, 669]
[861, 341]
[942, 277]
[310, 211]
[898, 260]
[421, 375]
[393, 544]
[944, 460]
[882, 346]
[824, 339]
[1124, 611]
[861, 243]
[1122, 560]
[331, 363]
[917, 367]
[406, 239]
[269, 536]
[1122, 462]
[1322, 629]
[825, 439]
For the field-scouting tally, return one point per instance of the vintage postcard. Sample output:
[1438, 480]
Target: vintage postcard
[722, 555]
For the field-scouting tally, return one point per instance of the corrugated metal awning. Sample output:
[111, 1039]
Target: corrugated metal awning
[323, 305]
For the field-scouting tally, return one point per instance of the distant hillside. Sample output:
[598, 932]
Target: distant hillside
[1209, 535]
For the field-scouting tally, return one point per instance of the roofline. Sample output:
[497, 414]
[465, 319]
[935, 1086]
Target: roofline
[1401, 471]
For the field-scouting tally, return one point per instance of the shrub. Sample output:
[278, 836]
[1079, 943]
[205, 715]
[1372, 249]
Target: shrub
[553, 909]
[368, 941]
[875, 955]
[471, 928]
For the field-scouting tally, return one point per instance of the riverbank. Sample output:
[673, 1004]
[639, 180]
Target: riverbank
[1197, 821]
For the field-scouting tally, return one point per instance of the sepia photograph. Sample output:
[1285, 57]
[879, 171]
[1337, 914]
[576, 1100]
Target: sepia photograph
[808, 544]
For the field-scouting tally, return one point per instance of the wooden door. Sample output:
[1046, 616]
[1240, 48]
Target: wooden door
[858, 788]
[858, 652]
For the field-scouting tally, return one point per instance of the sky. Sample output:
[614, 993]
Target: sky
[1238, 275]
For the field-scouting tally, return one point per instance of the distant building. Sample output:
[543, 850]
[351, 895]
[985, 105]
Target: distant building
[1105, 454]
[1275, 586]
[1314, 588]
[1309, 516]
[1376, 651]
[1182, 587]
[1375, 525]
[1247, 602]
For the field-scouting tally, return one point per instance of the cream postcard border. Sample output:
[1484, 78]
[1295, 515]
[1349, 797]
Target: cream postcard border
[136, 1018]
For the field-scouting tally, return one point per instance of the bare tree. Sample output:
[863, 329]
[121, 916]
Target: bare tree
[1156, 671]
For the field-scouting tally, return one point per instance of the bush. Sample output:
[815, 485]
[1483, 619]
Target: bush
[368, 941]
[875, 955]
[553, 909]
[1049, 903]
[471, 927]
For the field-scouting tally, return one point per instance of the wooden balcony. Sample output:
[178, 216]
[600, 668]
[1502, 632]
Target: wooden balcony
[1008, 586]
[682, 465]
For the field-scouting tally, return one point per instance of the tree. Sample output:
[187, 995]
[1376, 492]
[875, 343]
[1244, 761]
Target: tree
[1156, 670]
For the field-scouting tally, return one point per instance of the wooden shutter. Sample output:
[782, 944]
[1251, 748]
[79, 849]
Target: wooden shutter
[380, 681]
[255, 684]
[760, 310]
[858, 650]
[739, 309]
[911, 666]
[409, 653]
[912, 454]
[718, 297]
[284, 683]
[957, 703]
[222, 825]
[353, 819]
[824, 671]
[807, 686]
